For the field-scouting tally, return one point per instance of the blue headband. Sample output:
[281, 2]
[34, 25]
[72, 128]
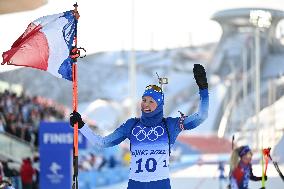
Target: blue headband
[244, 150]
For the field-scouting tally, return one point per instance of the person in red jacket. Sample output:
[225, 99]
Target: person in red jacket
[1, 172]
[26, 173]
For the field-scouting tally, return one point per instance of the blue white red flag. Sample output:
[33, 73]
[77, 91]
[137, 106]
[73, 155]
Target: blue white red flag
[46, 45]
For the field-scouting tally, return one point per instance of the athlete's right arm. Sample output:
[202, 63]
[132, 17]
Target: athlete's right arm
[119, 135]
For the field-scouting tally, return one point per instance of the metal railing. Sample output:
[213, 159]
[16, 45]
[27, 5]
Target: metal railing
[14, 148]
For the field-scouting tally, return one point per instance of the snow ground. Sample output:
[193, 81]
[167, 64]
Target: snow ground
[206, 177]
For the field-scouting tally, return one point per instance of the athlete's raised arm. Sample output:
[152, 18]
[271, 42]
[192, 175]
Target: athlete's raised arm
[197, 118]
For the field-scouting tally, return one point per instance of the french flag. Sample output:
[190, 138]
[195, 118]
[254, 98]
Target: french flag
[46, 45]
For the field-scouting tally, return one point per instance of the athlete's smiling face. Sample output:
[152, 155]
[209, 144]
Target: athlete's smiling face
[246, 159]
[148, 104]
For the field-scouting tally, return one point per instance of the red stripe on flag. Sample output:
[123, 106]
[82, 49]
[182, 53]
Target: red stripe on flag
[30, 49]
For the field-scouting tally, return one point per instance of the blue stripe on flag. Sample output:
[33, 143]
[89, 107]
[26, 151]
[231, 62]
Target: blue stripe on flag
[68, 33]
[65, 69]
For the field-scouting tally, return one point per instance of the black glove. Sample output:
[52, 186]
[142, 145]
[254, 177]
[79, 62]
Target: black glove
[260, 178]
[200, 76]
[76, 117]
[265, 177]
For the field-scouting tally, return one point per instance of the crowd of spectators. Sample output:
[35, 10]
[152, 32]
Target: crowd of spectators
[9, 175]
[111, 158]
[24, 177]
[20, 115]
[91, 162]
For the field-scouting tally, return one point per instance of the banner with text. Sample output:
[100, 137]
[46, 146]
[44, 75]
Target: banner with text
[56, 143]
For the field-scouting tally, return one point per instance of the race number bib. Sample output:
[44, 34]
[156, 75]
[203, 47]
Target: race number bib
[149, 153]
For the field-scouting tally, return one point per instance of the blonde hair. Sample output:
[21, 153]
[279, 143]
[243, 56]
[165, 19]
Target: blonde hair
[235, 159]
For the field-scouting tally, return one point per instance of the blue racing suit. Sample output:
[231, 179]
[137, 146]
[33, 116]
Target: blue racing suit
[149, 166]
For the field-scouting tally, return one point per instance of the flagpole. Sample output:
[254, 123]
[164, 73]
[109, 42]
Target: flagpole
[75, 106]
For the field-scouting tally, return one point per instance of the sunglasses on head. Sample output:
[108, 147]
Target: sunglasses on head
[155, 88]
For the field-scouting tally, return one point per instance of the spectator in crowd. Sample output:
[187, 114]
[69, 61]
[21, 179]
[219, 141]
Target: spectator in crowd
[112, 162]
[10, 173]
[2, 119]
[27, 173]
[20, 115]
[222, 177]
[91, 162]
[1, 172]
[85, 164]
[6, 185]
[37, 170]
[2, 128]
[101, 162]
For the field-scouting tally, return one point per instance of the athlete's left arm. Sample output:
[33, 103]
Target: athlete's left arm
[255, 178]
[197, 118]
[201, 80]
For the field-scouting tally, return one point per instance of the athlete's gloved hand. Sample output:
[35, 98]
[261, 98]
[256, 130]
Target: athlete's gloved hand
[200, 76]
[76, 117]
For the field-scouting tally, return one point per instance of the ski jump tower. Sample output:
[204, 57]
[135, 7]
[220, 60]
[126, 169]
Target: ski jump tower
[238, 20]
[237, 60]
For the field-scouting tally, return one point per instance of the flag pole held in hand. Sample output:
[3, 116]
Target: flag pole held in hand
[74, 57]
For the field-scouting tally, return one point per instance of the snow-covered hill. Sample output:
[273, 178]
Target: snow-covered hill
[104, 76]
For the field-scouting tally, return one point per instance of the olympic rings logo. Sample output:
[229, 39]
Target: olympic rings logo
[152, 135]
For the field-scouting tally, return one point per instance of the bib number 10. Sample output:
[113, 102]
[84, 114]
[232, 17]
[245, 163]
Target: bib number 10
[150, 165]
